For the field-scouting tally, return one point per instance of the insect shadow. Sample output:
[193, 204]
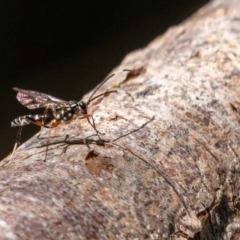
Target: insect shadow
[65, 142]
[61, 111]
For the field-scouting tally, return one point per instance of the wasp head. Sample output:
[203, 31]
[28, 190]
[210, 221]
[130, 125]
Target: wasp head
[82, 107]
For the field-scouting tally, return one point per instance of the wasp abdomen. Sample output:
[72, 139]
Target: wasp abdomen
[20, 121]
[27, 119]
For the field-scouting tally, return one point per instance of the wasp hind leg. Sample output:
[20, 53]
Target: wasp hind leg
[37, 120]
[18, 122]
[25, 120]
[17, 142]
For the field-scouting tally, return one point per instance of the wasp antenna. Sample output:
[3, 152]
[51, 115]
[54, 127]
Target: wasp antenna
[105, 80]
[102, 94]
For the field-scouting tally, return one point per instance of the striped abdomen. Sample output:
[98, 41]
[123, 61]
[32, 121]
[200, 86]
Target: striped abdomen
[27, 119]
[20, 121]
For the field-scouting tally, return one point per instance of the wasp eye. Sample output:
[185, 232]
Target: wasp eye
[83, 107]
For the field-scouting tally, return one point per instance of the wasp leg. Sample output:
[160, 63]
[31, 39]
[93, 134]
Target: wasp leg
[43, 120]
[53, 124]
[17, 142]
[92, 124]
[94, 127]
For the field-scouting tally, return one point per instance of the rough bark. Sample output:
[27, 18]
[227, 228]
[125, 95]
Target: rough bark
[168, 163]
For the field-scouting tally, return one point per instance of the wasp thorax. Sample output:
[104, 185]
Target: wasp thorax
[69, 112]
[72, 104]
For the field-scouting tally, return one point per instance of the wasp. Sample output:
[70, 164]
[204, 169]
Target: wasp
[62, 111]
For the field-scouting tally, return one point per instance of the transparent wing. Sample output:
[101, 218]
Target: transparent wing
[33, 100]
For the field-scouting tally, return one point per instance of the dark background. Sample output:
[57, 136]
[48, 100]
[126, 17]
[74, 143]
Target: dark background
[64, 48]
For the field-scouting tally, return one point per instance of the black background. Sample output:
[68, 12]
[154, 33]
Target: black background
[64, 48]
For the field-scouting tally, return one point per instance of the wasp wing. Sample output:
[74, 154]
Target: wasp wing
[33, 99]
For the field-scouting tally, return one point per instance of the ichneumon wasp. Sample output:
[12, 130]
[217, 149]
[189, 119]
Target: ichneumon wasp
[62, 111]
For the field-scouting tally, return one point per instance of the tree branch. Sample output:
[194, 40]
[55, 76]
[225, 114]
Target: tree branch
[167, 164]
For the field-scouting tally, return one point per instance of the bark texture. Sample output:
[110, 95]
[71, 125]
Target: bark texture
[168, 164]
